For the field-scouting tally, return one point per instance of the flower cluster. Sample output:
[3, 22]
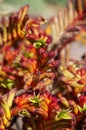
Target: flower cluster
[38, 81]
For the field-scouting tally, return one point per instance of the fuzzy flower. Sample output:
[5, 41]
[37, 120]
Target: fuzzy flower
[42, 104]
[74, 77]
[5, 109]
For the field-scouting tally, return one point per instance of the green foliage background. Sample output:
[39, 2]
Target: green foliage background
[37, 7]
[59, 2]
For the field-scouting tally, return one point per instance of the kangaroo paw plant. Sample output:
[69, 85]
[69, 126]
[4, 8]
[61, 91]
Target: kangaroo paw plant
[39, 83]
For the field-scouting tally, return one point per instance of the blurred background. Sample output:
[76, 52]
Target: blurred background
[46, 8]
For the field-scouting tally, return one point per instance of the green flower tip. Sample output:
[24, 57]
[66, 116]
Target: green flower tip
[7, 84]
[36, 100]
[63, 114]
[82, 110]
[39, 44]
[24, 112]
